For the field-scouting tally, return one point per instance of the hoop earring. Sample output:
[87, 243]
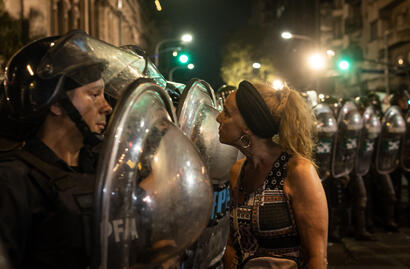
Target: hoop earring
[276, 138]
[245, 140]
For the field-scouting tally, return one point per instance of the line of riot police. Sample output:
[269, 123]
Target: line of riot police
[358, 148]
[161, 184]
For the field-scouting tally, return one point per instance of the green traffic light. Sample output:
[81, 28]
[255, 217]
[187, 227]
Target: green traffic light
[344, 65]
[183, 58]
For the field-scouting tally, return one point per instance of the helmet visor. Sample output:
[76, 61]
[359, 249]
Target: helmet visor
[84, 59]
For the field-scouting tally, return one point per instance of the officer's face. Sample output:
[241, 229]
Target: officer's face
[403, 103]
[231, 122]
[90, 102]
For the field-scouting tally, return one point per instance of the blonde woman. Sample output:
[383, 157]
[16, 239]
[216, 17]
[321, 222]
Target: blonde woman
[278, 206]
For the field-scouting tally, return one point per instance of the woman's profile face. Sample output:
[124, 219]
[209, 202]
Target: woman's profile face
[230, 122]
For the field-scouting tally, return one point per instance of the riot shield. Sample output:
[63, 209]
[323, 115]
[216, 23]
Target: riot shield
[370, 132]
[345, 144]
[197, 117]
[405, 147]
[154, 197]
[175, 90]
[326, 128]
[196, 92]
[390, 138]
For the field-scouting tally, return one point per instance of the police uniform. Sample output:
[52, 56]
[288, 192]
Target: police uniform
[45, 208]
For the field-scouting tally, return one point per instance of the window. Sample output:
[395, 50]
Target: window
[373, 31]
[337, 27]
[402, 20]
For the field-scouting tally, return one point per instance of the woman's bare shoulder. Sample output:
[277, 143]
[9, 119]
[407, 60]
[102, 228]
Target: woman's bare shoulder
[302, 178]
[299, 164]
[301, 169]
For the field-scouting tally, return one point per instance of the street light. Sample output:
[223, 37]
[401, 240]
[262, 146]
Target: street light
[278, 84]
[186, 38]
[286, 35]
[331, 53]
[256, 65]
[317, 61]
[171, 72]
[289, 35]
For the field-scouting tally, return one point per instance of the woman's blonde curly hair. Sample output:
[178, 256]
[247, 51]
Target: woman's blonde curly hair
[296, 119]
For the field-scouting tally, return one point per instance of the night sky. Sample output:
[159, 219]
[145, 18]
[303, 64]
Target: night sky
[210, 22]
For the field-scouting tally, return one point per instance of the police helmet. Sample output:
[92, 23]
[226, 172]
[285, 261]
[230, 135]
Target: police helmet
[333, 103]
[401, 93]
[374, 100]
[29, 89]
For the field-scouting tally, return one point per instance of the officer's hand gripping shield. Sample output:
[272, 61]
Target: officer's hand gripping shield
[154, 196]
[197, 118]
[388, 143]
[371, 130]
[405, 148]
[326, 128]
[346, 141]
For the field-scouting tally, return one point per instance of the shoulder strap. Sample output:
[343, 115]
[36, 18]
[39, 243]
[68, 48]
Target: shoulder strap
[43, 173]
[48, 170]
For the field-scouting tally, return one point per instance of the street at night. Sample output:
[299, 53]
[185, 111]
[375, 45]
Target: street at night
[192, 134]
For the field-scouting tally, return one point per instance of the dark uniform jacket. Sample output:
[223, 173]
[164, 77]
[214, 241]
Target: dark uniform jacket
[44, 208]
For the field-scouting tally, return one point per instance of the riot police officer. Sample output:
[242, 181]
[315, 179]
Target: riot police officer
[46, 189]
[386, 160]
[400, 98]
[357, 188]
[343, 159]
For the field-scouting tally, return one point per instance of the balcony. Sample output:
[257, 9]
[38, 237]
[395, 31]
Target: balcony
[353, 25]
[353, 2]
[386, 6]
[399, 36]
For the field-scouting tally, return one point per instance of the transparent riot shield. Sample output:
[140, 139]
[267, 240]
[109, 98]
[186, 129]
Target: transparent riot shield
[175, 90]
[405, 147]
[197, 117]
[388, 143]
[154, 197]
[346, 140]
[196, 92]
[370, 132]
[326, 128]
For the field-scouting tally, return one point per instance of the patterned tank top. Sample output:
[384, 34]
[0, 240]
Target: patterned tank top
[265, 218]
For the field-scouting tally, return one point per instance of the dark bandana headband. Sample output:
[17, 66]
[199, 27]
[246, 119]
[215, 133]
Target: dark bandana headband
[255, 111]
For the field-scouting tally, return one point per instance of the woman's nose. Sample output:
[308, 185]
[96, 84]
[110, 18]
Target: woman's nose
[218, 118]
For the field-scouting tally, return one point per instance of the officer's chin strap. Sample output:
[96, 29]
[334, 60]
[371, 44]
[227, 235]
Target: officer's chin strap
[89, 138]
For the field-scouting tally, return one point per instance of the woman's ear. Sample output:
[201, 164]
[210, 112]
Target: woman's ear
[56, 109]
[247, 131]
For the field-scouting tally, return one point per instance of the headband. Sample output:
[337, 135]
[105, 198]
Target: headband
[255, 112]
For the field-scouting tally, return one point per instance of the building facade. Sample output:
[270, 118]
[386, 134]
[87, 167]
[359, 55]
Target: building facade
[118, 22]
[376, 33]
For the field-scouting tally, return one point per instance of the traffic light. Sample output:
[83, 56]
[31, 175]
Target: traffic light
[183, 58]
[348, 59]
[344, 64]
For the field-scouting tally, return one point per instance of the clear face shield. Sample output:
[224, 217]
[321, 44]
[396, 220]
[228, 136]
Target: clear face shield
[76, 56]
